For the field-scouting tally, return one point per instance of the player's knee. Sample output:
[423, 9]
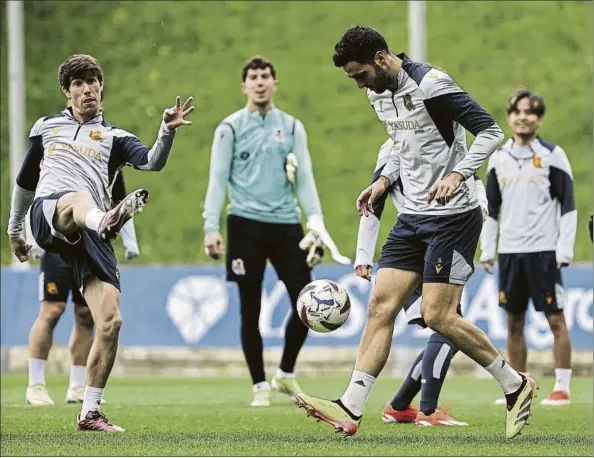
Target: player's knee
[110, 326]
[380, 309]
[515, 325]
[51, 312]
[557, 323]
[83, 316]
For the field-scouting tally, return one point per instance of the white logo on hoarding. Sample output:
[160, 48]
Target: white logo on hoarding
[195, 304]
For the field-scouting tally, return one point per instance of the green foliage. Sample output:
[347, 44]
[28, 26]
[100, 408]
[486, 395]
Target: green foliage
[153, 51]
[212, 417]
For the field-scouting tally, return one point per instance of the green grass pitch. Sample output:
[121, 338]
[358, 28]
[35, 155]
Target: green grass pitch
[183, 417]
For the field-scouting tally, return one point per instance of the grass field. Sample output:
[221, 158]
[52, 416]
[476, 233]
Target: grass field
[185, 417]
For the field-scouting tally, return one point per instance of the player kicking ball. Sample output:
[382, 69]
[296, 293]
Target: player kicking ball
[56, 282]
[67, 177]
[435, 238]
[429, 369]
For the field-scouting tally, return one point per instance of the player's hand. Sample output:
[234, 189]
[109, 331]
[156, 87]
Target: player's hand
[131, 252]
[176, 116]
[291, 167]
[312, 244]
[370, 194]
[488, 265]
[444, 189]
[20, 248]
[363, 272]
[214, 246]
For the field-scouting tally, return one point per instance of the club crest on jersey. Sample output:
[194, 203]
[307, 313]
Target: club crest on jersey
[278, 133]
[502, 298]
[407, 100]
[96, 135]
[537, 162]
[244, 155]
[238, 267]
[55, 131]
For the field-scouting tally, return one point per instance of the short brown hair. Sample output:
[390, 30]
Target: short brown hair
[257, 63]
[79, 66]
[537, 105]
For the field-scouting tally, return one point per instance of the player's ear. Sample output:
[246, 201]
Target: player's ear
[380, 59]
[66, 92]
[275, 86]
[243, 89]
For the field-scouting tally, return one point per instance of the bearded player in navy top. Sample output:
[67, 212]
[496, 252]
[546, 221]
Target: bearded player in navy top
[438, 229]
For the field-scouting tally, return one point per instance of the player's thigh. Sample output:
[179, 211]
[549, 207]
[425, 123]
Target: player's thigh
[451, 245]
[246, 251]
[403, 250]
[289, 260]
[392, 289]
[103, 300]
[42, 225]
[544, 281]
[513, 284]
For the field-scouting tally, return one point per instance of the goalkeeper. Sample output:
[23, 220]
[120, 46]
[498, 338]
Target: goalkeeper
[260, 154]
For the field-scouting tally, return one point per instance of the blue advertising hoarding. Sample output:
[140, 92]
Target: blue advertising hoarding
[194, 306]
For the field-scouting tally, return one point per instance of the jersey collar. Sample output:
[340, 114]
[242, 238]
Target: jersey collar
[97, 118]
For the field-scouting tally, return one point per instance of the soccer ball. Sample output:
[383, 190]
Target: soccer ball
[323, 305]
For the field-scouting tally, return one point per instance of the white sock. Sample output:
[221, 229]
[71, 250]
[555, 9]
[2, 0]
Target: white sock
[282, 374]
[92, 400]
[509, 379]
[358, 391]
[93, 219]
[262, 386]
[36, 371]
[562, 379]
[78, 376]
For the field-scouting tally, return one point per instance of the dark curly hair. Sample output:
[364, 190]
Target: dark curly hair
[359, 44]
[257, 63]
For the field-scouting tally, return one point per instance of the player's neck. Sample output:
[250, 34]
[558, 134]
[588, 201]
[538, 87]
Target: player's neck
[82, 118]
[261, 109]
[395, 66]
[522, 140]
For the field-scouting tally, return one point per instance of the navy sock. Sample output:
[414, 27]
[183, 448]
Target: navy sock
[410, 387]
[435, 365]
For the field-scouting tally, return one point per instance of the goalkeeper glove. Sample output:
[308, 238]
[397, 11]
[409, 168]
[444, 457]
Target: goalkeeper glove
[291, 167]
[312, 244]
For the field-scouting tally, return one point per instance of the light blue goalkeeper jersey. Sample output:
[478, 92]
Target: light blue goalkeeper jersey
[248, 158]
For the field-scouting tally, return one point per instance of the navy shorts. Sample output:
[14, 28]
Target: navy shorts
[412, 308]
[85, 253]
[441, 248]
[530, 275]
[56, 280]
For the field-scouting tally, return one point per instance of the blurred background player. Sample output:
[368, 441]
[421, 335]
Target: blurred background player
[56, 281]
[429, 369]
[530, 192]
[437, 232]
[260, 153]
[67, 176]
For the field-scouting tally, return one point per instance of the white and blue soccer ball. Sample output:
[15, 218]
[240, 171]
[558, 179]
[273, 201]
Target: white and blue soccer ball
[323, 305]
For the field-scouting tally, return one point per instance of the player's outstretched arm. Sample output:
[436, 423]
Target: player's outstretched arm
[133, 152]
